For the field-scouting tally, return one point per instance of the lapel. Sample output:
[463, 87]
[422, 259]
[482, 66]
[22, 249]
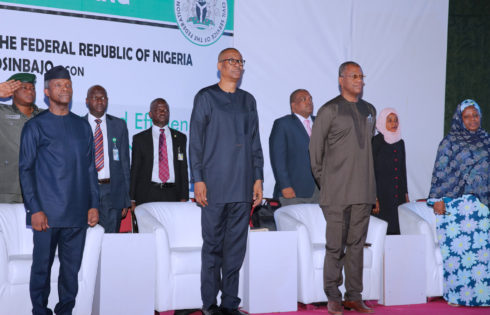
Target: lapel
[148, 142]
[111, 135]
[299, 125]
[175, 145]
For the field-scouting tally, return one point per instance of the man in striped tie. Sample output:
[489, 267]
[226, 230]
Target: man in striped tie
[288, 149]
[111, 159]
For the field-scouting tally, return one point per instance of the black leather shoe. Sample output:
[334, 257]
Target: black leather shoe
[212, 310]
[186, 311]
[229, 311]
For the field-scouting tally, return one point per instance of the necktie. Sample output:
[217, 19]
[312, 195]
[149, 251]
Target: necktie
[308, 127]
[162, 157]
[99, 147]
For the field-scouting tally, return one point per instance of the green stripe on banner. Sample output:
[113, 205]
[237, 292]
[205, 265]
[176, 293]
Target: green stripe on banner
[157, 10]
[467, 69]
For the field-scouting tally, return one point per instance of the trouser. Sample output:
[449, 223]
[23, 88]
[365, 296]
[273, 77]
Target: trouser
[109, 218]
[346, 233]
[224, 233]
[70, 243]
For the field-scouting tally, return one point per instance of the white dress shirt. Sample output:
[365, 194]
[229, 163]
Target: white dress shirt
[155, 132]
[302, 119]
[105, 172]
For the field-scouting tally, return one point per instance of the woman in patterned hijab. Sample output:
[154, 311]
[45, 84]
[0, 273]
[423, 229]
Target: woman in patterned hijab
[459, 194]
[462, 158]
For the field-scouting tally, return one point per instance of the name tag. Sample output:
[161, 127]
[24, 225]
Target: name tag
[115, 154]
[115, 151]
[17, 116]
[180, 156]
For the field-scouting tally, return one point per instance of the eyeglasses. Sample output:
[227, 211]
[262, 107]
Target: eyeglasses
[355, 76]
[233, 62]
[98, 98]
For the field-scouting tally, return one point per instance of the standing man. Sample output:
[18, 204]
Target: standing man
[342, 163]
[111, 159]
[159, 160]
[59, 185]
[12, 119]
[288, 149]
[227, 171]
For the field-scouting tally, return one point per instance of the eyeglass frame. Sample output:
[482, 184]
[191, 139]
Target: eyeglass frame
[354, 76]
[233, 61]
[98, 98]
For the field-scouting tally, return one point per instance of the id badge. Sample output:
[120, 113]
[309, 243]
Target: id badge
[115, 154]
[115, 151]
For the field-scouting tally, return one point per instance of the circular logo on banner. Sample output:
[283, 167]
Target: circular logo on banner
[201, 21]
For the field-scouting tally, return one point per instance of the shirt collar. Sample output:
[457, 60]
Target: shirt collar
[302, 119]
[156, 129]
[93, 118]
[17, 110]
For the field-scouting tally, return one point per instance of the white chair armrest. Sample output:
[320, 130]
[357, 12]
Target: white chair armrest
[306, 276]
[147, 223]
[412, 223]
[376, 237]
[88, 269]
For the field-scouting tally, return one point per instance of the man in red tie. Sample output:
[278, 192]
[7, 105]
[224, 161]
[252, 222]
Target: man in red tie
[288, 149]
[159, 160]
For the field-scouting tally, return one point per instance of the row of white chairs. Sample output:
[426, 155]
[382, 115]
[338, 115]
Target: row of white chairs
[177, 230]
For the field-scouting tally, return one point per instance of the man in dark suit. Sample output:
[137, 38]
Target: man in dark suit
[60, 190]
[227, 171]
[159, 160]
[111, 159]
[288, 149]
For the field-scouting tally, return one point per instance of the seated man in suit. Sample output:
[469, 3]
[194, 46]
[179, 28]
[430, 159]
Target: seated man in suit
[159, 160]
[111, 145]
[288, 149]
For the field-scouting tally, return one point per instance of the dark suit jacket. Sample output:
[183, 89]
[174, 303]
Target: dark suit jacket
[290, 158]
[117, 129]
[142, 165]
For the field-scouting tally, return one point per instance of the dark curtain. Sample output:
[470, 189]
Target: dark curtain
[468, 57]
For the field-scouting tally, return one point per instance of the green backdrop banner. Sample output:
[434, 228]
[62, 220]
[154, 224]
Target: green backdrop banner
[156, 10]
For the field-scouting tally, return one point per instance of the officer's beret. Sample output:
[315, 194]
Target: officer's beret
[24, 77]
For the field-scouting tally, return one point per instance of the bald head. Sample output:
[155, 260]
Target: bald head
[159, 112]
[93, 88]
[226, 50]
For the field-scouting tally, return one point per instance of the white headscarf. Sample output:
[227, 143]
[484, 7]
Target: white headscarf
[389, 136]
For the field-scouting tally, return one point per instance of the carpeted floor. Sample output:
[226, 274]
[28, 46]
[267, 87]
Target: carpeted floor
[434, 307]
